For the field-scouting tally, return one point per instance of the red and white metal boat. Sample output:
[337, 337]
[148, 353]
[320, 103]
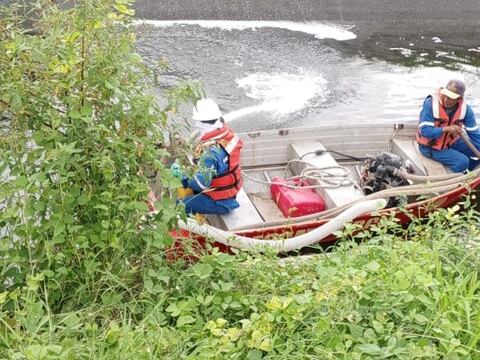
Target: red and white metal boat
[341, 177]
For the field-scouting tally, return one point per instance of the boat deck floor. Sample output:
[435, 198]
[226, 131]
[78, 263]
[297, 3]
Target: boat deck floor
[257, 205]
[259, 191]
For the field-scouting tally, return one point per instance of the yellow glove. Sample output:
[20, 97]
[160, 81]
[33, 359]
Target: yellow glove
[182, 192]
[201, 219]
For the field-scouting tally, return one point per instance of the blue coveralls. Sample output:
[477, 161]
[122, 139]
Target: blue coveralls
[459, 156]
[212, 162]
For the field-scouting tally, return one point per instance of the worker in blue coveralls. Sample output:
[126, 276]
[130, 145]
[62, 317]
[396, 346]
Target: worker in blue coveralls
[442, 119]
[217, 178]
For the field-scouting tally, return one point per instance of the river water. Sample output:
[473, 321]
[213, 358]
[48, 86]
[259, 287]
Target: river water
[272, 64]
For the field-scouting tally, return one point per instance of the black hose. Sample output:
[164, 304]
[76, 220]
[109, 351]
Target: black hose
[321, 151]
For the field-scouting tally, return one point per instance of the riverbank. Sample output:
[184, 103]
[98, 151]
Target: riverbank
[387, 297]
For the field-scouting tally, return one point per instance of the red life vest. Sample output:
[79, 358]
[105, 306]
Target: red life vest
[441, 119]
[226, 185]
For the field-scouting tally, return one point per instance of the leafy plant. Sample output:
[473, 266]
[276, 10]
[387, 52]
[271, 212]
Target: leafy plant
[81, 134]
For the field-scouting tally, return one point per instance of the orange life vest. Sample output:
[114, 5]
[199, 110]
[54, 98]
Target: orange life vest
[441, 119]
[226, 185]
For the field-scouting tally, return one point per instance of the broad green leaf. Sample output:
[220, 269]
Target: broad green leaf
[38, 137]
[421, 319]
[48, 273]
[74, 114]
[203, 271]
[371, 349]
[59, 239]
[36, 351]
[22, 181]
[356, 330]
[373, 266]
[184, 320]
[173, 310]
[82, 199]
[86, 111]
[254, 355]
[72, 321]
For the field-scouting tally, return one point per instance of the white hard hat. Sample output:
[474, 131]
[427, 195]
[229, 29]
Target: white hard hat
[206, 110]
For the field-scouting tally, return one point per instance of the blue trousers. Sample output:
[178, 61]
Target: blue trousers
[203, 204]
[458, 157]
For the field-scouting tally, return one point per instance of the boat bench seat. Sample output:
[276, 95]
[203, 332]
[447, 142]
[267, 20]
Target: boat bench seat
[407, 148]
[333, 196]
[245, 215]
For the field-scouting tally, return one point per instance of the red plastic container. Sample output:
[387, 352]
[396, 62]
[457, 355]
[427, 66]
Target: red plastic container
[296, 202]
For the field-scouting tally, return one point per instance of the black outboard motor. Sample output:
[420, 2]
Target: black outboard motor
[381, 172]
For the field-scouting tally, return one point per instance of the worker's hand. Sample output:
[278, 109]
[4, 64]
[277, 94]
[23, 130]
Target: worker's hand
[452, 130]
[184, 192]
[176, 170]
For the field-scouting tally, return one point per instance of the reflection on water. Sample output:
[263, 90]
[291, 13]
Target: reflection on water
[276, 77]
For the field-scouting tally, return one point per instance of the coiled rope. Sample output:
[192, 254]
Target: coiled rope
[328, 177]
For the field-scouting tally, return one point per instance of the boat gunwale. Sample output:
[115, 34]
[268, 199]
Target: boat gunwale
[470, 186]
[337, 127]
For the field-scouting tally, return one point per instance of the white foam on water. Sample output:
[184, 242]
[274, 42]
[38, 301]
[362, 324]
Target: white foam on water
[405, 52]
[280, 93]
[437, 40]
[441, 54]
[407, 88]
[317, 29]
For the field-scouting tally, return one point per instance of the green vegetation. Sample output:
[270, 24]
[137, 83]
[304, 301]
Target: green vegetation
[80, 135]
[386, 298]
[82, 264]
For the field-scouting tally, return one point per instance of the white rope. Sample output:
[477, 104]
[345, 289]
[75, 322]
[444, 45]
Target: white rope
[327, 177]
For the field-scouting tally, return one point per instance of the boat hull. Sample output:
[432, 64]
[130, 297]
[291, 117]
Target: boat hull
[190, 246]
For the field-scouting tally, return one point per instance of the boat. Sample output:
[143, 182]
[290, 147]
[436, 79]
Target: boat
[342, 166]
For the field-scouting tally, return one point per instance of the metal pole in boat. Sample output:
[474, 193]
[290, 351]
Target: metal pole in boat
[267, 176]
[472, 147]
